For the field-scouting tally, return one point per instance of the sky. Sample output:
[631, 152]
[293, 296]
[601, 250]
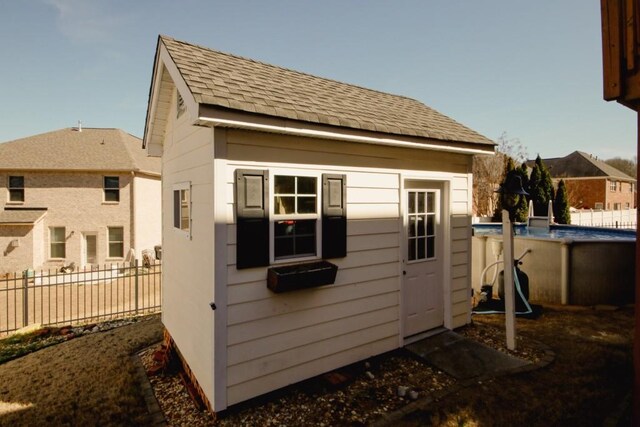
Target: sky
[530, 70]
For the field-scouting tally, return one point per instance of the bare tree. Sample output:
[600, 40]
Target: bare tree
[628, 166]
[489, 170]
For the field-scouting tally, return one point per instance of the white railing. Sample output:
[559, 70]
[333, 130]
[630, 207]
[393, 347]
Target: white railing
[65, 298]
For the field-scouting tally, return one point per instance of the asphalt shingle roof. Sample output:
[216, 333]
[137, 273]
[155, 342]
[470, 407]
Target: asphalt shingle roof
[225, 80]
[580, 165]
[21, 216]
[70, 149]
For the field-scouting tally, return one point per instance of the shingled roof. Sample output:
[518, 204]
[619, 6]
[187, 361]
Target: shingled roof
[73, 150]
[224, 80]
[581, 165]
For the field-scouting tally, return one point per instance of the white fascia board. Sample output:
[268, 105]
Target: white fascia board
[165, 62]
[339, 136]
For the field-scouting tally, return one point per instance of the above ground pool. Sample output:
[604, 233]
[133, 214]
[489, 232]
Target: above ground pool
[558, 232]
[565, 264]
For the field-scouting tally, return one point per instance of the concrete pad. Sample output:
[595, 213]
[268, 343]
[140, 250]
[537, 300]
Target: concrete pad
[461, 357]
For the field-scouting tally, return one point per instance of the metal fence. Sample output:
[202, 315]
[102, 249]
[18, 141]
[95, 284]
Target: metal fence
[91, 295]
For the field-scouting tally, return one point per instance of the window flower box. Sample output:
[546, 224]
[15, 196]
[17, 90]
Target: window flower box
[301, 276]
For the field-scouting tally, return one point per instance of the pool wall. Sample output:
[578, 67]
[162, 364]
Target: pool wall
[564, 271]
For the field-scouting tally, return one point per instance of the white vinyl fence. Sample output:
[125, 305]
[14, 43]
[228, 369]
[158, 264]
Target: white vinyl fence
[66, 298]
[599, 218]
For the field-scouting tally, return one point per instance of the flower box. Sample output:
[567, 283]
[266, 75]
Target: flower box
[301, 276]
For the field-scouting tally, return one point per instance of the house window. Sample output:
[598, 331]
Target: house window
[116, 242]
[111, 189]
[295, 213]
[599, 206]
[57, 241]
[631, 187]
[626, 205]
[16, 188]
[182, 207]
[617, 206]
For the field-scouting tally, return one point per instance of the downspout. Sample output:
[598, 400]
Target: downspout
[132, 215]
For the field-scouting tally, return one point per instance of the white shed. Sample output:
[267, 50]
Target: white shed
[307, 223]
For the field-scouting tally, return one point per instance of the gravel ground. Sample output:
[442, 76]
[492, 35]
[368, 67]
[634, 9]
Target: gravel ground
[370, 390]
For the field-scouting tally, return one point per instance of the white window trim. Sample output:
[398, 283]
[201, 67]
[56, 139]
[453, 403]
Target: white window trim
[124, 253]
[177, 187]
[105, 189]
[276, 217]
[51, 257]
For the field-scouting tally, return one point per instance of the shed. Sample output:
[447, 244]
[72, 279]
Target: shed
[307, 223]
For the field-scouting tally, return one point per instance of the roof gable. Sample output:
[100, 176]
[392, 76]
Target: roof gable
[71, 149]
[231, 82]
[582, 165]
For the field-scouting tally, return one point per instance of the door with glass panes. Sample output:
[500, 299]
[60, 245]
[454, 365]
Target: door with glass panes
[422, 290]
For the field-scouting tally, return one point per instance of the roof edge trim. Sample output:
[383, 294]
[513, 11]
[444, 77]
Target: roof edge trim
[300, 131]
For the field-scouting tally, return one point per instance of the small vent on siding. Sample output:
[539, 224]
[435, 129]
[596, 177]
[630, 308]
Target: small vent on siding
[180, 107]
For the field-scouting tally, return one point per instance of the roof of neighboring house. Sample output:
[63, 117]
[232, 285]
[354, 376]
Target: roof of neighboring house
[240, 84]
[71, 149]
[25, 217]
[581, 165]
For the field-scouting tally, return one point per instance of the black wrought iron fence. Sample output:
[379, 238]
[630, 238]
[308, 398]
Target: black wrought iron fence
[71, 297]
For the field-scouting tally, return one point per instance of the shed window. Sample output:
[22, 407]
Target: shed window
[182, 207]
[16, 188]
[289, 224]
[295, 210]
[116, 242]
[111, 189]
[57, 242]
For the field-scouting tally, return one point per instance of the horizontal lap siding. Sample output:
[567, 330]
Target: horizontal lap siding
[460, 250]
[277, 339]
[188, 271]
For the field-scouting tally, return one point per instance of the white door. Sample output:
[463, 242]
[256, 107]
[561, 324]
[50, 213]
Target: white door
[422, 291]
[90, 244]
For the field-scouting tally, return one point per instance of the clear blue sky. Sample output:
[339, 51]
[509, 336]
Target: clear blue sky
[529, 68]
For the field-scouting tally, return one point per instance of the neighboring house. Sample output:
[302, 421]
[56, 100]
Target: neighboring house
[592, 183]
[88, 196]
[268, 170]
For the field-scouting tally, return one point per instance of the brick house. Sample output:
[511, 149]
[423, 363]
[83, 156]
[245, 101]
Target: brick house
[592, 183]
[87, 196]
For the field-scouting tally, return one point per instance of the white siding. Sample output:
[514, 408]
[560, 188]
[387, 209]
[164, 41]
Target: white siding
[276, 339]
[187, 274]
[460, 250]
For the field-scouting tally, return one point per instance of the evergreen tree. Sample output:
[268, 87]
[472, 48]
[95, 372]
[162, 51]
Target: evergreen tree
[540, 188]
[522, 208]
[561, 205]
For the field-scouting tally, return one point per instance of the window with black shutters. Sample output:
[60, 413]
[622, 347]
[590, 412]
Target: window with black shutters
[305, 217]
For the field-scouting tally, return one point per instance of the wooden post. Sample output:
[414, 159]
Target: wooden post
[509, 288]
[636, 340]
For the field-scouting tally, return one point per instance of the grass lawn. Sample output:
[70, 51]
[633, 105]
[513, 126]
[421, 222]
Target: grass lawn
[585, 384]
[86, 381]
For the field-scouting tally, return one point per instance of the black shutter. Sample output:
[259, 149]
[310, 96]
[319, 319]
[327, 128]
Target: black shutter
[252, 218]
[334, 216]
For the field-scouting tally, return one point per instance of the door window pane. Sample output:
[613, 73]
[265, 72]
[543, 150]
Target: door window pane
[421, 225]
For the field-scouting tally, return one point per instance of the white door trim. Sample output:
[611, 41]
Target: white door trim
[444, 184]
